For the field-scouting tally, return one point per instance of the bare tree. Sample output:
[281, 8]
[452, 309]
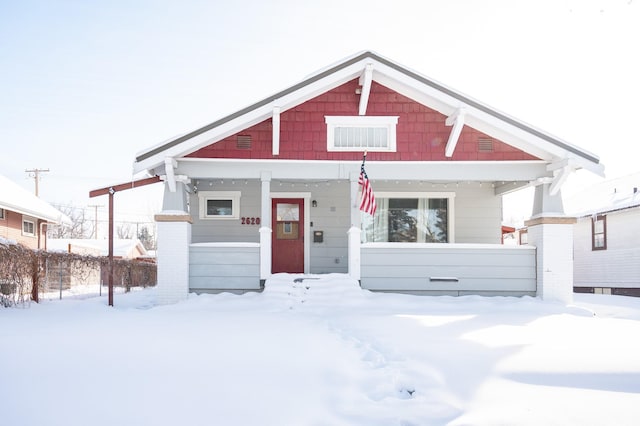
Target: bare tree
[124, 231]
[147, 239]
[81, 226]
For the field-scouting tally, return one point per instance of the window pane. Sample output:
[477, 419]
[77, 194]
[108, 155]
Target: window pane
[288, 212]
[403, 220]
[598, 240]
[436, 221]
[219, 207]
[598, 226]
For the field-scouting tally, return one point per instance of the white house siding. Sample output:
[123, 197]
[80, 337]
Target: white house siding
[455, 269]
[619, 265]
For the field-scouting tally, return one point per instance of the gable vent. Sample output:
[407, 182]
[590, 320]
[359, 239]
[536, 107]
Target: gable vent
[485, 145]
[243, 142]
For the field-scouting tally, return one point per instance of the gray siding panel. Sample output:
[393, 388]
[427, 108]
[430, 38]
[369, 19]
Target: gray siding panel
[453, 269]
[224, 267]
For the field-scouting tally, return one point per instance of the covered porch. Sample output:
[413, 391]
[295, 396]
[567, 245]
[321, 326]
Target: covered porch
[237, 256]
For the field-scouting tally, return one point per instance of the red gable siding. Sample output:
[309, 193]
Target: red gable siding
[421, 134]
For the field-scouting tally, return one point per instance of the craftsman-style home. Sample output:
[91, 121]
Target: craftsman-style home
[275, 188]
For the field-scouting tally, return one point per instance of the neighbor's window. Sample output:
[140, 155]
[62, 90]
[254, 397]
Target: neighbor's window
[359, 133]
[219, 204]
[28, 228]
[1, 213]
[410, 217]
[599, 232]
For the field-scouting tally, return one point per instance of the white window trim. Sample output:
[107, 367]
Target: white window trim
[234, 196]
[360, 121]
[33, 224]
[450, 196]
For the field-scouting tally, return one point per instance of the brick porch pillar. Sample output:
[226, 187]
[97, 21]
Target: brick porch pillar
[551, 231]
[174, 239]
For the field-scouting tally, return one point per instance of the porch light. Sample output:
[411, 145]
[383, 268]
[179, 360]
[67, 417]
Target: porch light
[314, 203]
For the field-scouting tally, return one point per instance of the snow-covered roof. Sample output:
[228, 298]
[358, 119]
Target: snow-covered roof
[398, 78]
[124, 248]
[15, 198]
[610, 195]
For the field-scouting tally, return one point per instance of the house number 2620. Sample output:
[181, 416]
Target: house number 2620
[250, 220]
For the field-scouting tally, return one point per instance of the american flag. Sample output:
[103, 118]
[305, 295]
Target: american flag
[368, 200]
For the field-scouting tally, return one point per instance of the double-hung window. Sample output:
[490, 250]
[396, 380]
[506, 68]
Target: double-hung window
[219, 204]
[28, 227]
[360, 133]
[422, 217]
[599, 232]
[1, 214]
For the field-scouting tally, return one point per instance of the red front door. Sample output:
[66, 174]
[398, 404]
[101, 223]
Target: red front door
[287, 242]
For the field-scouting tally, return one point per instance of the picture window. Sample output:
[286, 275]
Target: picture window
[219, 204]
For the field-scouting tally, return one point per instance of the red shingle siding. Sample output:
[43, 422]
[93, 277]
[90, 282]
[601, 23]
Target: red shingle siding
[421, 133]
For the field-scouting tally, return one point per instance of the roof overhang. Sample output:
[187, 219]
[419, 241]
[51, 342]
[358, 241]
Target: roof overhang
[367, 67]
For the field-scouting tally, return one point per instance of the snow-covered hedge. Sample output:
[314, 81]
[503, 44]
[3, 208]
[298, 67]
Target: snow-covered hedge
[23, 271]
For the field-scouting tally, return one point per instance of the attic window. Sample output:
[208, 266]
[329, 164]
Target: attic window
[359, 133]
[485, 145]
[243, 142]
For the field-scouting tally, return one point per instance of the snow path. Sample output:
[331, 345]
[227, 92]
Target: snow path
[321, 351]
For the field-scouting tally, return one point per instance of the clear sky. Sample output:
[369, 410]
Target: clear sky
[85, 85]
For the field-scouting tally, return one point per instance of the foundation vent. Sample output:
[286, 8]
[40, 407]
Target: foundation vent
[485, 145]
[243, 142]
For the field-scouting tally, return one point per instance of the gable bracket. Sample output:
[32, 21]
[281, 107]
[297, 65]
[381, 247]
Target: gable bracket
[457, 121]
[365, 81]
[559, 178]
[169, 165]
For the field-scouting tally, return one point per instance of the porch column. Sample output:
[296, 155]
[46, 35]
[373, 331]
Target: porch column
[551, 231]
[174, 237]
[265, 229]
[354, 231]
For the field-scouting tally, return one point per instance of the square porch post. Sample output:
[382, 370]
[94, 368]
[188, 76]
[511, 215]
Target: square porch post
[354, 231]
[551, 231]
[265, 228]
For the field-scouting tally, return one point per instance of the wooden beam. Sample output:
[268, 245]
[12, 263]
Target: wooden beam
[124, 186]
[365, 81]
[275, 138]
[457, 121]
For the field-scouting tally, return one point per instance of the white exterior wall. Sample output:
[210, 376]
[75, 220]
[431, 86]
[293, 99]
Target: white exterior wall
[174, 239]
[554, 258]
[619, 265]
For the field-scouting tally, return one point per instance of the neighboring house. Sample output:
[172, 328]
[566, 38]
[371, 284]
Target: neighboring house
[607, 244]
[274, 188]
[127, 248]
[122, 249]
[24, 217]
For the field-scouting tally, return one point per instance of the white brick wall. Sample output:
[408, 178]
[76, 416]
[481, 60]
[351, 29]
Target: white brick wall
[174, 239]
[554, 244]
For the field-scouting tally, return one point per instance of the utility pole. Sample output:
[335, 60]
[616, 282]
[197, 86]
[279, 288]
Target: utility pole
[36, 176]
[95, 222]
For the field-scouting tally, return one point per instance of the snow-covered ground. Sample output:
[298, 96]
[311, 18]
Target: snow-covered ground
[321, 352]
